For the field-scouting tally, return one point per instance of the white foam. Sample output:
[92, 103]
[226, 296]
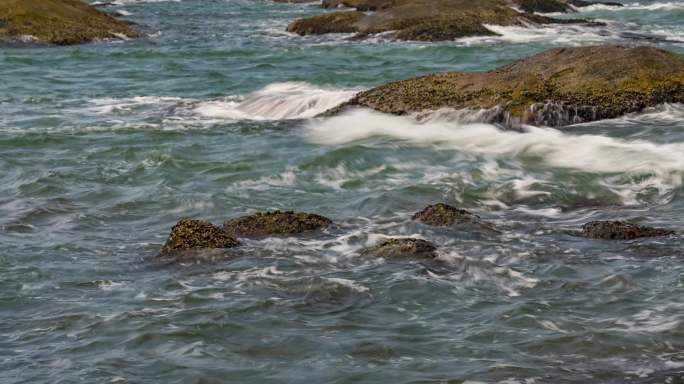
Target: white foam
[661, 164]
[290, 100]
[669, 5]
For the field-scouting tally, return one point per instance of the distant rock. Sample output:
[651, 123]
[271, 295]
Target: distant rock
[191, 238]
[422, 20]
[60, 22]
[403, 247]
[555, 88]
[275, 223]
[443, 215]
[620, 230]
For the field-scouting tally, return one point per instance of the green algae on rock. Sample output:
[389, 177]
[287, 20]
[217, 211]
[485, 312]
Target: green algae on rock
[60, 22]
[275, 223]
[443, 215]
[554, 88]
[194, 235]
[421, 20]
[403, 247]
[620, 230]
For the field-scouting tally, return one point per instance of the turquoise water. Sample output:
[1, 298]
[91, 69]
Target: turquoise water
[104, 146]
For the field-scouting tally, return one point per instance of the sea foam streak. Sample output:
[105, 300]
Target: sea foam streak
[278, 101]
[588, 153]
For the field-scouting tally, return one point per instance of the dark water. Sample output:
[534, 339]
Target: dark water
[104, 146]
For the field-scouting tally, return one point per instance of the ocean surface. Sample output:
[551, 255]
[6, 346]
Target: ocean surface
[104, 146]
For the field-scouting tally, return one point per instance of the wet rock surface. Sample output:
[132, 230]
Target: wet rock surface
[61, 22]
[554, 88]
[421, 20]
[275, 223]
[620, 230]
[194, 237]
[443, 215]
[403, 247]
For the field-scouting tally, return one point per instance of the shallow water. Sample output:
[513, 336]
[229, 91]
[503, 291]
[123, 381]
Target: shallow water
[104, 146]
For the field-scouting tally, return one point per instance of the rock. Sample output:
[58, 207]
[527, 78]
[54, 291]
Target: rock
[443, 215]
[543, 6]
[555, 88]
[275, 223]
[189, 235]
[59, 22]
[360, 5]
[403, 247]
[422, 20]
[619, 230]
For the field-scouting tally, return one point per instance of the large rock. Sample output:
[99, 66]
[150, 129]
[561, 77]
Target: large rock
[58, 22]
[423, 20]
[443, 215]
[275, 223]
[555, 88]
[543, 6]
[189, 235]
[619, 230]
[403, 247]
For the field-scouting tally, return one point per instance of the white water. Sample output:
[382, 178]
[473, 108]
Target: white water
[279, 101]
[662, 163]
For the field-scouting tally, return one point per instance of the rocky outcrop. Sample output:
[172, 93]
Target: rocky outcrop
[192, 237]
[443, 215]
[422, 20]
[403, 247]
[59, 22]
[542, 6]
[555, 88]
[620, 230]
[275, 223]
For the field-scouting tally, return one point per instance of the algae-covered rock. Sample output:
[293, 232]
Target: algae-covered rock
[555, 88]
[60, 22]
[189, 235]
[443, 215]
[403, 247]
[276, 223]
[620, 230]
[423, 20]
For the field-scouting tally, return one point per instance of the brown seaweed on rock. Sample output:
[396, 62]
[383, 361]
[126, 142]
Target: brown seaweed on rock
[275, 223]
[620, 230]
[443, 215]
[555, 88]
[61, 22]
[403, 247]
[196, 240]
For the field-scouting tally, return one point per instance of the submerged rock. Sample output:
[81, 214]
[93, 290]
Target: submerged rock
[555, 88]
[191, 236]
[620, 230]
[403, 247]
[423, 20]
[275, 223]
[59, 22]
[443, 215]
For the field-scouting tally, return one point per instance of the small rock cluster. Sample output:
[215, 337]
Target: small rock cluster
[197, 240]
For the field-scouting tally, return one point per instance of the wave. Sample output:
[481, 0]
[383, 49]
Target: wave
[573, 34]
[652, 165]
[669, 5]
[279, 101]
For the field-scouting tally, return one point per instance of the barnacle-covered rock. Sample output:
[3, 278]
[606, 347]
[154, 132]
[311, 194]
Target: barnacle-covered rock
[620, 230]
[443, 215]
[275, 223]
[196, 237]
[403, 247]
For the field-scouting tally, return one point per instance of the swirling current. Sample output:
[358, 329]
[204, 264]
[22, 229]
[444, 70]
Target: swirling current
[212, 115]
